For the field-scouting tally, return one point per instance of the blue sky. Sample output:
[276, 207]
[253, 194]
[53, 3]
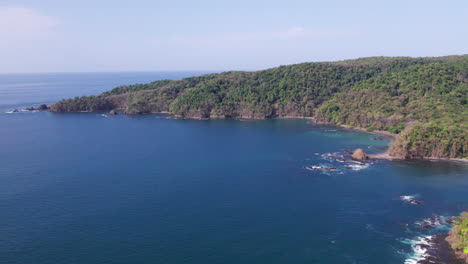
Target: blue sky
[145, 35]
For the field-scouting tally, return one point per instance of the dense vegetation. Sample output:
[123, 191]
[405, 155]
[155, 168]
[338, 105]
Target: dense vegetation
[82, 104]
[460, 234]
[423, 99]
[432, 96]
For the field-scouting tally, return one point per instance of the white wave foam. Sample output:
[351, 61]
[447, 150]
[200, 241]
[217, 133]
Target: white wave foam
[334, 156]
[313, 167]
[323, 168]
[357, 167]
[410, 199]
[419, 247]
[437, 222]
[21, 111]
[407, 198]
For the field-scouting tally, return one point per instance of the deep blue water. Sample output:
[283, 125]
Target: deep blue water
[82, 188]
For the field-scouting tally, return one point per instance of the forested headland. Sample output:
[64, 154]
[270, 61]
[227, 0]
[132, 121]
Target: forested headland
[423, 100]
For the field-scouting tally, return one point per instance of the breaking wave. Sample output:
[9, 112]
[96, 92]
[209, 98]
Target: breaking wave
[411, 199]
[21, 111]
[419, 246]
[357, 167]
[337, 162]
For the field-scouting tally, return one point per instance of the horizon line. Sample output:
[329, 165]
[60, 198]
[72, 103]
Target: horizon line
[219, 71]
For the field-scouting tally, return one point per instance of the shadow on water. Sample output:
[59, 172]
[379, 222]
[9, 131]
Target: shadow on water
[432, 167]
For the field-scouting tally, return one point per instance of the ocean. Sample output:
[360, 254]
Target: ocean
[86, 188]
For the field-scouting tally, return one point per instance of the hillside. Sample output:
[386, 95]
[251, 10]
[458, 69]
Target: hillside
[458, 237]
[422, 99]
[432, 97]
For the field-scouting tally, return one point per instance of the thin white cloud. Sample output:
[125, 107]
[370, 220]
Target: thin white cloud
[280, 35]
[28, 39]
[297, 31]
[31, 41]
[22, 22]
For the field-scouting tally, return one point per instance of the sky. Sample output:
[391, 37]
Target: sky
[217, 35]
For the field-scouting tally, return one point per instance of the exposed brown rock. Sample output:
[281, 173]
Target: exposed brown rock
[452, 239]
[113, 112]
[359, 155]
[119, 101]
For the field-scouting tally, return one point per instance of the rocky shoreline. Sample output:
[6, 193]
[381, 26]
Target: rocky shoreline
[437, 251]
[438, 247]
[42, 107]
[460, 255]
[458, 237]
[385, 155]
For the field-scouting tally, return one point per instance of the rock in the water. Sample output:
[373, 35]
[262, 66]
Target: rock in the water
[410, 199]
[42, 107]
[132, 112]
[16, 111]
[113, 112]
[359, 155]
[29, 109]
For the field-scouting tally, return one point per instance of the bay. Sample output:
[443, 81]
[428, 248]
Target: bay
[83, 188]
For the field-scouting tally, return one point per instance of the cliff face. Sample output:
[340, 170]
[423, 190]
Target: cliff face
[374, 93]
[458, 237]
[432, 140]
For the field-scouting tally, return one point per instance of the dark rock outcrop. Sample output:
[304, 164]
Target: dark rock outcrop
[461, 256]
[439, 251]
[42, 107]
[133, 111]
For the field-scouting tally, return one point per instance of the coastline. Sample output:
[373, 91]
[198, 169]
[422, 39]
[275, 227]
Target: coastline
[296, 117]
[457, 237]
[283, 187]
[439, 250]
[378, 132]
[451, 239]
[386, 155]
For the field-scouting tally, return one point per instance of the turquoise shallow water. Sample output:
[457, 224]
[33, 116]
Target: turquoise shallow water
[82, 188]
